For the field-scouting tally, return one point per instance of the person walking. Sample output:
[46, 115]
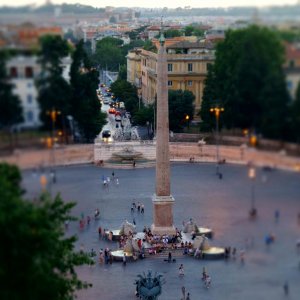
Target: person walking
[188, 297]
[286, 288]
[181, 270]
[124, 260]
[142, 208]
[169, 257]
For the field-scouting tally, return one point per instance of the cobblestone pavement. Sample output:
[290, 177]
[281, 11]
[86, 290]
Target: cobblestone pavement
[220, 204]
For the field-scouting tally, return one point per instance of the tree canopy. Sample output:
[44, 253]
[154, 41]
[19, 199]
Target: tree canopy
[37, 261]
[53, 90]
[126, 92]
[85, 106]
[248, 79]
[109, 54]
[181, 105]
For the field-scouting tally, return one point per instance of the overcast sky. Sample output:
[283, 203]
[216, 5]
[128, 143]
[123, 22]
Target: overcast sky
[160, 3]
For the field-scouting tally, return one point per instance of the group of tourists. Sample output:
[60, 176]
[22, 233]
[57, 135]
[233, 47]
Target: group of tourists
[106, 180]
[139, 207]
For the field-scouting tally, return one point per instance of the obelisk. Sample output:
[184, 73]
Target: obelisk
[162, 199]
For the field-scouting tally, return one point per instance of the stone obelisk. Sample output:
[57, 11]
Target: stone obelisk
[162, 200]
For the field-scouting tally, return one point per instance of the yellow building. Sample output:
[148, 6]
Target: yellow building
[187, 69]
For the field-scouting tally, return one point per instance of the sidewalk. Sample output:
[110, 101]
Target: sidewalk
[84, 153]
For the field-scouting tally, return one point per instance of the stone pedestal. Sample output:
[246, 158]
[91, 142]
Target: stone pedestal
[163, 215]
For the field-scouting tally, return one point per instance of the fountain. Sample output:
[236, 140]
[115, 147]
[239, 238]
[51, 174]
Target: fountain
[202, 245]
[192, 228]
[148, 287]
[127, 154]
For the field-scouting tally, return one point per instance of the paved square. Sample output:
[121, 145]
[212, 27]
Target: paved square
[222, 205]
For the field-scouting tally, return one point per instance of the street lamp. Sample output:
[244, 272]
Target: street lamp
[53, 115]
[187, 119]
[252, 176]
[147, 123]
[217, 111]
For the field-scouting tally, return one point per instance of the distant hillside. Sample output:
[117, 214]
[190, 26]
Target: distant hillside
[272, 11]
[65, 8]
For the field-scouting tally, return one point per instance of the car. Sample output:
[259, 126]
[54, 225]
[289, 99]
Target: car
[111, 111]
[106, 101]
[118, 113]
[106, 134]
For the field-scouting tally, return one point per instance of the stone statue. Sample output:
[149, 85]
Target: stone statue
[131, 245]
[148, 287]
[201, 243]
[127, 228]
[190, 227]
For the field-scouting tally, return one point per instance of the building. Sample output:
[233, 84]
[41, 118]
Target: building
[187, 68]
[292, 67]
[25, 36]
[23, 70]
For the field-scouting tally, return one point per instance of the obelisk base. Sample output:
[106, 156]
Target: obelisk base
[163, 215]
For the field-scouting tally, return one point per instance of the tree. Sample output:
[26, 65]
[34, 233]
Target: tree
[144, 115]
[112, 19]
[53, 90]
[180, 106]
[126, 92]
[247, 77]
[37, 255]
[190, 30]
[11, 112]
[109, 53]
[295, 117]
[85, 106]
[122, 73]
[210, 94]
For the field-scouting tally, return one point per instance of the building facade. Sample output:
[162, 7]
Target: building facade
[23, 71]
[187, 68]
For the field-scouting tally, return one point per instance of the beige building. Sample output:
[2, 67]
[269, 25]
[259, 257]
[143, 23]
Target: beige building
[187, 69]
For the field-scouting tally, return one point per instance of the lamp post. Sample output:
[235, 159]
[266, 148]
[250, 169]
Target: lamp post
[147, 123]
[187, 119]
[252, 176]
[53, 115]
[217, 111]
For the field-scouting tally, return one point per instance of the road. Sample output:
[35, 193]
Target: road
[220, 204]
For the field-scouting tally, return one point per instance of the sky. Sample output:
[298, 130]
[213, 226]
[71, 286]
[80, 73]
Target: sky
[160, 3]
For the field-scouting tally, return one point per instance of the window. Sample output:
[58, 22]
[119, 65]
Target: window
[190, 83]
[28, 72]
[190, 67]
[29, 116]
[170, 82]
[170, 67]
[13, 72]
[29, 98]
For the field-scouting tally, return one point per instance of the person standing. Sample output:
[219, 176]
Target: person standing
[124, 260]
[286, 288]
[188, 297]
[142, 208]
[181, 270]
[169, 257]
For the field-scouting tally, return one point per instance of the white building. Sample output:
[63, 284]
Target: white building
[23, 70]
